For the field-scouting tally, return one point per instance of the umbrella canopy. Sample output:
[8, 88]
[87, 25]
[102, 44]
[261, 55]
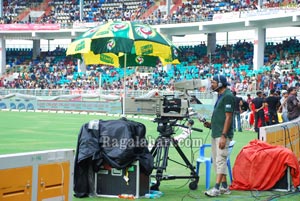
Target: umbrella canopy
[132, 60]
[122, 37]
[132, 38]
[122, 44]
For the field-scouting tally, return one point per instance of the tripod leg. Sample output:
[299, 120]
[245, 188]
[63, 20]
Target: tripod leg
[160, 153]
[194, 184]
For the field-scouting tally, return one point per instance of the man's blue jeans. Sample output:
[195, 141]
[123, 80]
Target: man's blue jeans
[284, 117]
[237, 117]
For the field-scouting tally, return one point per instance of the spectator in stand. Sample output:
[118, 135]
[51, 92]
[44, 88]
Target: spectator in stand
[293, 104]
[243, 87]
[1, 82]
[273, 102]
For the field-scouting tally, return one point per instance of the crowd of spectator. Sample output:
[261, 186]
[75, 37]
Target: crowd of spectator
[12, 9]
[53, 70]
[95, 11]
[68, 12]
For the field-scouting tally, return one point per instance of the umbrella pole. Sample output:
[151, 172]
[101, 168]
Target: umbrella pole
[124, 94]
[100, 81]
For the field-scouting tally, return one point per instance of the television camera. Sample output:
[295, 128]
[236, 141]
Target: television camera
[173, 106]
[169, 109]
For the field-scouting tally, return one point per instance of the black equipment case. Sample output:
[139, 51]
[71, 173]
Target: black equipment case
[285, 183]
[112, 182]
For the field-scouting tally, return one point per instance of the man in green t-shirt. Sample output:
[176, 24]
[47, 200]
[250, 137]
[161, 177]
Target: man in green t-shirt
[221, 133]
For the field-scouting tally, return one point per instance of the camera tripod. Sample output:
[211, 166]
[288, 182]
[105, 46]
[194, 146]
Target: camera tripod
[160, 153]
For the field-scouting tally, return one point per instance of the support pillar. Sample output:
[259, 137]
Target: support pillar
[259, 4]
[1, 9]
[81, 10]
[170, 37]
[168, 7]
[36, 48]
[2, 56]
[227, 38]
[259, 47]
[48, 48]
[211, 43]
[81, 66]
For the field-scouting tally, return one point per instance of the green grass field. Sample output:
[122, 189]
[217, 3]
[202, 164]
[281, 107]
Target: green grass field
[32, 131]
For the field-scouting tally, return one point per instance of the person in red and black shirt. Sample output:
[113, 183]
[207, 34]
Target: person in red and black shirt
[259, 104]
[273, 102]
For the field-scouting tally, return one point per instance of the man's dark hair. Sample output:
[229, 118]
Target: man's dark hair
[272, 91]
[258, 93]
[291, 89]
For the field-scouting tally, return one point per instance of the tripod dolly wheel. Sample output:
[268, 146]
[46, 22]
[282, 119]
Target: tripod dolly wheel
[193, 185]
[155, 187]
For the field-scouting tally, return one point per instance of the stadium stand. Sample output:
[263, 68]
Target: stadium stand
[67, 12]
[54, 70]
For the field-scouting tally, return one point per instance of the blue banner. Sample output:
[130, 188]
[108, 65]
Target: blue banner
[18, 103]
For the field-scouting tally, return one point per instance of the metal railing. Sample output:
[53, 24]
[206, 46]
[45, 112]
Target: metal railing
[58, 92]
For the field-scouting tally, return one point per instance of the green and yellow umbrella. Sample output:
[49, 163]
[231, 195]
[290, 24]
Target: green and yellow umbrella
[131, 38]
[123, 44]
[125, 37]
[132, 60]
